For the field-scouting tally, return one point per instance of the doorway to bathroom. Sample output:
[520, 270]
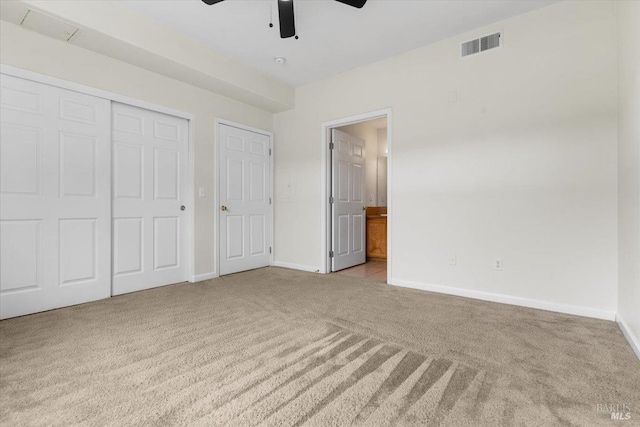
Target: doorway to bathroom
[357, 210]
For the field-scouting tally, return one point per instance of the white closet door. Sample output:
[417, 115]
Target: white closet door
[348, 209]
[245, 191]
[150, 193]
[55, 227]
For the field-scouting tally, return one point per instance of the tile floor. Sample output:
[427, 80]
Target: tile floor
[369, 270]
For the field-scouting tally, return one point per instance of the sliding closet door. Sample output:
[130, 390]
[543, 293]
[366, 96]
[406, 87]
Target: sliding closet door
[150, 186]
[55, 226]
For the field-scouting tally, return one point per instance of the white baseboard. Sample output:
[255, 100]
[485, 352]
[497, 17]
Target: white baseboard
[507, 299]
[629, 335]
[308, 268]
[203, 277]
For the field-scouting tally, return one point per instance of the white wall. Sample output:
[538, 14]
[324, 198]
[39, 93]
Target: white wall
[369, 133]
[31, 51]
[628, 14]
[522, 166]
[382, 167]
[382, 142]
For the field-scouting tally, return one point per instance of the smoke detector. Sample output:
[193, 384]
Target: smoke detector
[280, 59]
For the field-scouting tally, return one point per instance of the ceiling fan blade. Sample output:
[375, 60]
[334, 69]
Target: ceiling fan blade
[354, 3]
[210, 2]
[287, 20]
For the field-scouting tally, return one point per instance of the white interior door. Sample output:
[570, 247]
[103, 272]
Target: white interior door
[348, 209]
[150, 193]
[55, 228]
[245, 198]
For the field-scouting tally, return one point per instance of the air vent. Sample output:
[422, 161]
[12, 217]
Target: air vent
[481, 44]
[471, 47]
[49, 26]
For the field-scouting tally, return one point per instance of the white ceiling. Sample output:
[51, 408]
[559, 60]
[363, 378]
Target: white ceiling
[333, 37]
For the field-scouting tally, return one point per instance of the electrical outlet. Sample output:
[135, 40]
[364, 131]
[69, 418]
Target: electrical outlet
[453, 259]
[497, 264]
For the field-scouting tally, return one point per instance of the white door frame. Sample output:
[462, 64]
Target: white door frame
[123, 99]
[326, 182]
[216, 173]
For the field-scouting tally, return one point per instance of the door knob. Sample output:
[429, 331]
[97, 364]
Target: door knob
[182, 208]
[223, 208]
[364, 208]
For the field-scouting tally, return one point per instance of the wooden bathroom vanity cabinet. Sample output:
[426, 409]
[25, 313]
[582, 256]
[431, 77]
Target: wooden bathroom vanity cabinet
[377, 234]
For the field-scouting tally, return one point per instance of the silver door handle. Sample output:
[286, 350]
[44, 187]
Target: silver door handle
[182, 208]
[223, 208]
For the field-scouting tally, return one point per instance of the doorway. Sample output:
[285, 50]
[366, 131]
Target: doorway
[356, 232]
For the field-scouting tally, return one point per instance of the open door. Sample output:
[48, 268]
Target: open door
[347, 200]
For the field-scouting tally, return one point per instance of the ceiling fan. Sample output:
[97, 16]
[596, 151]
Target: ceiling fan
[285, 12]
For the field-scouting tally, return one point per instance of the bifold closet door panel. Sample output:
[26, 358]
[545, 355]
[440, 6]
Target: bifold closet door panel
[55, 196]
[150, 193]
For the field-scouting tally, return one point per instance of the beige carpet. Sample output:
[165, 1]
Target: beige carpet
[276, 347]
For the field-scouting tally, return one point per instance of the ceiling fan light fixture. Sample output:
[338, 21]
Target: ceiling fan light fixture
[280, 59]
[286, 14]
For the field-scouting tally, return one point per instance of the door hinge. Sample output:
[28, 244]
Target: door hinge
[331, 146]
[269, 249]
[269, 200]
[269, 151]
[331, 199]
[330, 254]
